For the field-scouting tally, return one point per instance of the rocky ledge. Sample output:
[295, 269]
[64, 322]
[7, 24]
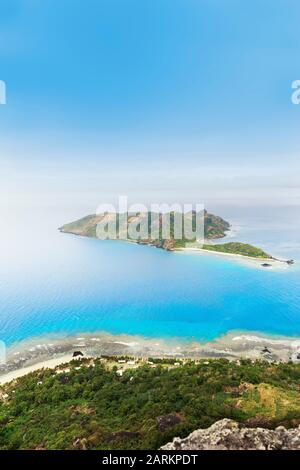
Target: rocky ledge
[230, 435]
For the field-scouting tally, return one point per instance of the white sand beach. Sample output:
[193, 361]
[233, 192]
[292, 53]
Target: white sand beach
[250, 261]
[47, 364]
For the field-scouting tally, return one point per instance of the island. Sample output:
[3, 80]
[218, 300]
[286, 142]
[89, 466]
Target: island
[215, 227]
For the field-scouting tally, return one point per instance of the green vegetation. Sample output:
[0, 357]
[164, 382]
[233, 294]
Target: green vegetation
[214, 227]
[239, 249]
[96, 408]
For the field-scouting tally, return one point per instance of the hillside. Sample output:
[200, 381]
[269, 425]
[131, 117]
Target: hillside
[96, 406]
[214, 227]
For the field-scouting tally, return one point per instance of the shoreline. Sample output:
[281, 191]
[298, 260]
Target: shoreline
[47, 364]
[250, 261]
[49, 351]
[263, 260]
[277, 264]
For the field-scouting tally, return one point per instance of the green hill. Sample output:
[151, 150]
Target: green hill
[214, 227]
[237, 248]
[96, 408]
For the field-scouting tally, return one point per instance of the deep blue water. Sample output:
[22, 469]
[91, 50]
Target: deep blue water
[58, 283]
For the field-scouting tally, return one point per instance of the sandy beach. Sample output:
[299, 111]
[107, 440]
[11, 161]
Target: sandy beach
[249, 261]
[47, 364]
[274, 264]
[28, 356]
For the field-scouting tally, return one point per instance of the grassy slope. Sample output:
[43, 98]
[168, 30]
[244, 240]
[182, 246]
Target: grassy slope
[93, 403]
[214, 226]
[238, 248]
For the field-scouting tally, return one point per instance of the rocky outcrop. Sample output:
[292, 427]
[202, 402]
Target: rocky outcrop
[230, 435]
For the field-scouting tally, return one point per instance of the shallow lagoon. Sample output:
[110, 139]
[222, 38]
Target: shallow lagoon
[59, 283]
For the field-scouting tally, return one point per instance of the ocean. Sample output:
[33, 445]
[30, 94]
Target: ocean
[54, 283]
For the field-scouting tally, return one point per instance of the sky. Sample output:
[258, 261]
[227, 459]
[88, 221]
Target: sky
[161, 100]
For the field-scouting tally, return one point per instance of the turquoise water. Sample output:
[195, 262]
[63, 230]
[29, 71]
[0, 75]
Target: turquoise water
[58, 283]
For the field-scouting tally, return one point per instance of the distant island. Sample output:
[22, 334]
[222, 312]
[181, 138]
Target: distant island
[214, 228]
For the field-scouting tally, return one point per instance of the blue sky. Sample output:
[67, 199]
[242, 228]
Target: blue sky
[158, 99]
